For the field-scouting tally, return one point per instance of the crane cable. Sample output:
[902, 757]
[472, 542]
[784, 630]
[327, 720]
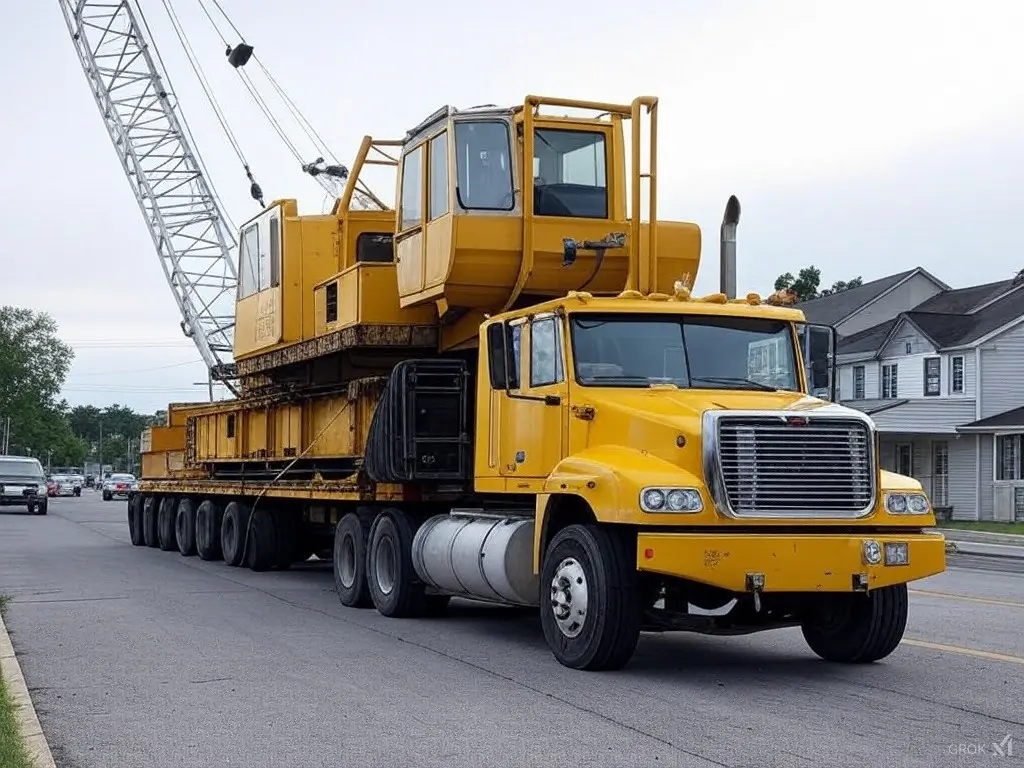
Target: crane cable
[254, 188]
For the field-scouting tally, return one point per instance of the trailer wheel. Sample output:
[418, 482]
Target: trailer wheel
[149, 520]
[590, 608]
[350, 538]
[858, 628]
[165, 524]
[135, 528]
[185, 527]
[208, 524]
[262, 550]
[394, 588]
[233, 530]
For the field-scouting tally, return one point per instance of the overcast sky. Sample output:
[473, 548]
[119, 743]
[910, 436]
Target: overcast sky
[864, 138]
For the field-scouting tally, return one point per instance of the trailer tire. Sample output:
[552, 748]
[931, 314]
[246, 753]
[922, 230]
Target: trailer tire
[859, 628]
[262, 550]
[185, 527]
[135, 528]
[149, 521]
[394, 587]
[234, 529]
[350, 539]
[208, 523]
[165, 524]
[595, 566]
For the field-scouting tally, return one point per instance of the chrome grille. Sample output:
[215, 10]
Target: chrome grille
[798, 466]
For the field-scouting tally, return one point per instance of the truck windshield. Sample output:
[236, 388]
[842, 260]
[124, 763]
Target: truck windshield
[11, 468]
[697, 352]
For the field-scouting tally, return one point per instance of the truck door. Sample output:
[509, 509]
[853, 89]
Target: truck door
[531, 432]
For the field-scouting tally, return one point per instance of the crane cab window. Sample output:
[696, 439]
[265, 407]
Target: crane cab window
[438, 176]
[259, 255]
[412, 189]
[569, 174]
[375, 247]
[546, 366]
[483, 166]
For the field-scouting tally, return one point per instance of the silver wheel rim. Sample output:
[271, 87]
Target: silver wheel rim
[384, 564]
[569, 597]
[346, 558]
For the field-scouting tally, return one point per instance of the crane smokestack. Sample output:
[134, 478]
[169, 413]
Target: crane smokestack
[727, 278]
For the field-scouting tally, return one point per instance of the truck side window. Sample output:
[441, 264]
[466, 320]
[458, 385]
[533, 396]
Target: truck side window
[499, 350]
[545, 353]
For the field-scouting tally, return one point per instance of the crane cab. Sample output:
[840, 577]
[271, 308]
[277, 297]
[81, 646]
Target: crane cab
[503, 207]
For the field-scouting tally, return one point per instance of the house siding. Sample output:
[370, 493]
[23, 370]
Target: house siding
[905, 334]
[1002, 367]
[963, 478]
[926, 416]
[903, 298]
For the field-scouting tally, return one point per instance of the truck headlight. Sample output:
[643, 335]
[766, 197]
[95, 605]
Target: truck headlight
[907, 504]
[672, 500]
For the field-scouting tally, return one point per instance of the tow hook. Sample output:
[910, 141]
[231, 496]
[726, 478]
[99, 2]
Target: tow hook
[755, 585]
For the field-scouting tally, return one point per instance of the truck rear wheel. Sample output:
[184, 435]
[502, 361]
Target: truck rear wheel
[350, 538]
[590, 606]
[233, 531]
[135, 532]
[185, 527]
[392, 582]
[208, 524]
[858, 628]
[262, 550]
[149, 520]
[165, 524]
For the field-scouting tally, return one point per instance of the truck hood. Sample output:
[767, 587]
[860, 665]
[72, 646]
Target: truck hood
[658, 419]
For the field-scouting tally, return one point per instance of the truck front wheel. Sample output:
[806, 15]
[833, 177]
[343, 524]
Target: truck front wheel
[589, 603]
[858, 628]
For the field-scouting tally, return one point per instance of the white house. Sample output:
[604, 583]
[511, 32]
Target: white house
[943, 380]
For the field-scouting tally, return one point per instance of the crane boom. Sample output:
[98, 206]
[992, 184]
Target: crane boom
[189, 228]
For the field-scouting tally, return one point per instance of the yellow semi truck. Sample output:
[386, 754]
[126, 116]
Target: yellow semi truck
[503, 389]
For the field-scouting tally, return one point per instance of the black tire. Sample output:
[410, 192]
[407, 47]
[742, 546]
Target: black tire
[350, 538]
[601, 562]
[135, 532]
[208, 524]
[858, 628]
[107, 496]
[262, 550]
[185, 527]
[150, 507]
[166, 516]
[287, 524]
[394, 588]
[78, 491]
[233, 530]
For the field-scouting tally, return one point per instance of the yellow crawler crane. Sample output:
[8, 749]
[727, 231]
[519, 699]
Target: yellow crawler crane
[503, 390]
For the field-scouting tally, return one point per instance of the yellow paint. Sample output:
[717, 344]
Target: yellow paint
[961, 650]
[790, 563]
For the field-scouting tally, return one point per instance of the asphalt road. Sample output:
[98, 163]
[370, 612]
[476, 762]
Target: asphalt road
[137, 657]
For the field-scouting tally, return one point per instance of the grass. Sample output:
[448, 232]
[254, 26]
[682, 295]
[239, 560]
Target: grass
[984, 525]
[12, 748]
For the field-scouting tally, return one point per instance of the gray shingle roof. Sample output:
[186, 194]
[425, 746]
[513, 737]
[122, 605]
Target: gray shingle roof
[1011, 418]
[830, 310]
[868, 340]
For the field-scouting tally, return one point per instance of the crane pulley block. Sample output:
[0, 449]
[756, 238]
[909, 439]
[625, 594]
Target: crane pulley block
[239, 55]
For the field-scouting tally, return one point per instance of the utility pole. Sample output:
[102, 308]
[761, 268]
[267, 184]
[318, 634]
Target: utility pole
[101, 448]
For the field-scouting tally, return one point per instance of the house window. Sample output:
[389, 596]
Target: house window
[858, 382]
[940, 473]
[889, 379]
[957, 375]
[905, 459]
[932, 376]
[1009, 457]
[909, 347]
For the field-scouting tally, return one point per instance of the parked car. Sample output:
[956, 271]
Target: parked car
[118, 485]
[23, 483]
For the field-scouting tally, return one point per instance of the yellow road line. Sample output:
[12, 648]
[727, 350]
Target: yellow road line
[962, 651]
[967, 598]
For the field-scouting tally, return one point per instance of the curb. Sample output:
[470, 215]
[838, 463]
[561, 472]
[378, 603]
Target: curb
[31, 731]
[1004, 551]
[984, 537]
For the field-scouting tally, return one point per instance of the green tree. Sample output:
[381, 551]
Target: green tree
[34, 363]
[808, 281]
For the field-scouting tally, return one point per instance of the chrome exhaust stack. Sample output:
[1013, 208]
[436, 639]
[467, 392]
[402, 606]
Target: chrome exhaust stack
[727, 241]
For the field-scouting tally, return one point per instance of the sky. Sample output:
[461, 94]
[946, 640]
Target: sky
[862, 138]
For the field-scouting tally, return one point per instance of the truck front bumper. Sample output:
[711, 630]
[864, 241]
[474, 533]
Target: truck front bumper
[793, 562]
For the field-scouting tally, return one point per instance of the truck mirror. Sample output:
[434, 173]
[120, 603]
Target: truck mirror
[818, 349]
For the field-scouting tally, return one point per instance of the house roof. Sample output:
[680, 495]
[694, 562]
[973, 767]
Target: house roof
[873, 406]
[1011, 419]
[952, 318]
[831, 310]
